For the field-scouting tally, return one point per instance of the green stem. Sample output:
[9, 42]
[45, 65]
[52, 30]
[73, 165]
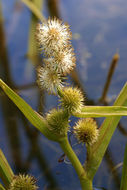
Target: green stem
[123, 185]
[86, 184]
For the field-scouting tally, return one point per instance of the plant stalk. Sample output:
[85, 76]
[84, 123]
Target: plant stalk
[86, 183]
[123, 185]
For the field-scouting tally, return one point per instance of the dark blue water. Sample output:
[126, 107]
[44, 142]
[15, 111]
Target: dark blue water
[99, 30]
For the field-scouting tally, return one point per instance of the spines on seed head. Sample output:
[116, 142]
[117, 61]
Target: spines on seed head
[86, 131]
[58, 121]
[71, 99]
[25, 182]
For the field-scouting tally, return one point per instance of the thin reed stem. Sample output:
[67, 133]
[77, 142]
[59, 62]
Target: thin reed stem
[86, 184]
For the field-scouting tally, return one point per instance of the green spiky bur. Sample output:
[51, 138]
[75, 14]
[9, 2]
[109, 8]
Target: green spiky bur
[86, 131]
[58, 121]
[23, 182]
[71, 99]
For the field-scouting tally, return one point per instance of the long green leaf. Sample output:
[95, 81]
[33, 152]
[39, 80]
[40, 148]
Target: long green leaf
[107, 129]
[123, 185]
[37, 120]
[102, 111]
[1, 187]
[6, 173]
[32, 45]
[34, 9]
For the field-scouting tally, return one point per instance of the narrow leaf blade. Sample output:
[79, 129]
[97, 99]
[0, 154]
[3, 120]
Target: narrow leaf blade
[34, 9]
[106, 131]
[32, 45]
[123, 185]
[37, 120]
[1, 187]
[102, 111]
[6, 174]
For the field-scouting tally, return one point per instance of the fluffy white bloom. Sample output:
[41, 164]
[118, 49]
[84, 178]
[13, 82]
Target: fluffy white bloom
[63, 62]
[48, 79]
[53, 35]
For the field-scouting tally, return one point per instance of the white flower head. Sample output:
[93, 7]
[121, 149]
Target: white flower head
[49, 79]
[53, 35]
[63, 62]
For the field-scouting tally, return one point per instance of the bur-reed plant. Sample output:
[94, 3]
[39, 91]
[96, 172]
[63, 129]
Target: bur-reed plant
[53, 37]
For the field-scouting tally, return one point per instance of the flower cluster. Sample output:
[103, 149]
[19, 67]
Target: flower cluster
[53, 37]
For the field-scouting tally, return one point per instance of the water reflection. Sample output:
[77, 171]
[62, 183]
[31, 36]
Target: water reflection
[97, 24]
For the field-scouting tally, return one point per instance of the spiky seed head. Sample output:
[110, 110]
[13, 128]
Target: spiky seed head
[86, 131]
[71, 99]
[23, 182]
[63, 62]
[58, 121]
[53, 35]
[49, 79]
